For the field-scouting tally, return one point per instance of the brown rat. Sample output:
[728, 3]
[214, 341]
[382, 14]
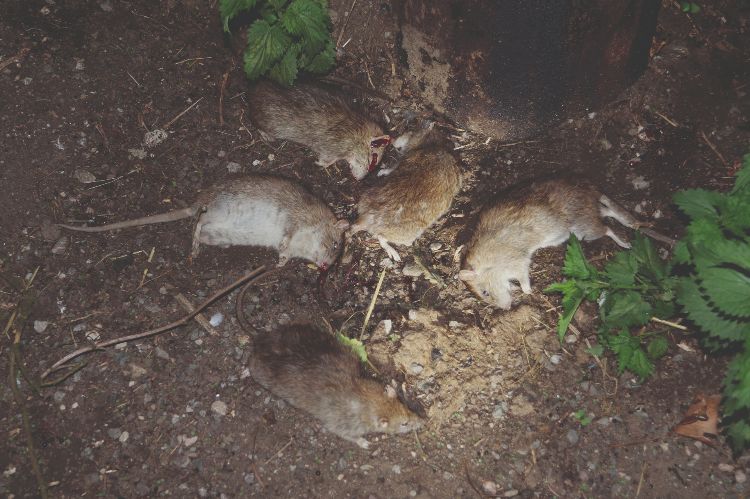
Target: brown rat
[541, 215]
[313, 371]
[257, 210]
[320, 120]
[401, 206]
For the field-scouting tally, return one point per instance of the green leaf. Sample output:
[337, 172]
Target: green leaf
[285, 71]
[624, 309]
[657, 347]
[728, 288]
[699, 203]
[309, 20]
[572, 298]
[735, 215]
[630, 355]
[358, 348]
[742, 182]
[650, 265]
[597, 351]
[266, 44]
[697, 308]
[277, 4]
[576, 265]
[621, 269]
[739, 435]
[228, 9]
[583, 418]
[737, 383]
[324, 61]
[694, 8]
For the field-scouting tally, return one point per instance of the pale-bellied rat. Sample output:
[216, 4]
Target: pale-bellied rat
[320, 120]
[257, 210]
[401, 206]
[541, 215]
[313, 371]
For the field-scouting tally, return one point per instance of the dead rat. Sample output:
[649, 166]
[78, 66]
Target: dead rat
[320, 120]
[258, 210]
[541, 215]
[313, 371]
[404, 204]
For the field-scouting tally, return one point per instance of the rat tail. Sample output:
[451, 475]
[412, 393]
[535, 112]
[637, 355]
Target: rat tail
[612, 209]
[170, 216]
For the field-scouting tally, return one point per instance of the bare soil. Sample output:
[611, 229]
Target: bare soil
[179, 415]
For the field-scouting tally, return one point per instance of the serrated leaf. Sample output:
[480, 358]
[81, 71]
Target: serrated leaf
[266, 44]
[657, 347]
[663, 308]
[358, 348]
[228, 9]
[285, 71]
[738, 433]
[576, 265]
[323, 61]
[728, 288]
[737, 383]
[699, 311]
[735, 215]
[621, 269]
[640, 364]
[624, 309]
[277, 4]
[308, 20]
[630, 355]
[699, 203]
[649, 263]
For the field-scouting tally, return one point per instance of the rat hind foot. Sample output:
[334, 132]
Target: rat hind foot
[392, 253]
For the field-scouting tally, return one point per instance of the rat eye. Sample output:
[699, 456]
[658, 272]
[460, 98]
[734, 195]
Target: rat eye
[485, 293]
[335, 246]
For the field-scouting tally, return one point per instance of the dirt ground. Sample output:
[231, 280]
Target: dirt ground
[179, 415]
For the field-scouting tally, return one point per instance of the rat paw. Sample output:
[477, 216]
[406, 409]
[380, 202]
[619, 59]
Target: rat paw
[392, 253]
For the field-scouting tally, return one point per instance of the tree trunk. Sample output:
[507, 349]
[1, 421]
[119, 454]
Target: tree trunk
[512, 68]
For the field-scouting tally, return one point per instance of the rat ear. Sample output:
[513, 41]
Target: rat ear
[467, 275]
[342, 224]
[390, 392]
[383, 422]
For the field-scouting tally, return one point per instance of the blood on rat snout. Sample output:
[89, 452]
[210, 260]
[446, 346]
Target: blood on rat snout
[373, 162]
[381, 142]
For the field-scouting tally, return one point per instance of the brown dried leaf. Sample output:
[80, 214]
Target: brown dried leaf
[701, 419]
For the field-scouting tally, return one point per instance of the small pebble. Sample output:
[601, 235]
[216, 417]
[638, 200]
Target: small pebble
[555, 359]
[161, 353]
[727, 468]
[216, 319]
[489, 487]
[189, 441]
[84, 176]
[219, 408]
[572, 437]
[435, 247]
[416, 368]
[233, 167]
[740, 476]
[124, 437]
[396, 469]
[40, 326]
[510, 493]
[114, 433]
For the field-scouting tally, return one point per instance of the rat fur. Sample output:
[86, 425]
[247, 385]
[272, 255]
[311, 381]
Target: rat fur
[258, 210]
[401, 206]
[313, 371]
[541, 215]
[320, 120]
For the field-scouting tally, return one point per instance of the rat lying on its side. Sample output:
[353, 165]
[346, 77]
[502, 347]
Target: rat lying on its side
[401, 206]
[257, 210]
[313, 371]
[541, 215]
[320, 120]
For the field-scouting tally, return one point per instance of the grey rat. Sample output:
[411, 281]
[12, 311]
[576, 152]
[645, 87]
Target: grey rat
[313, 371]
[401, 206]
[320, 120]
[541, 215]
[257, 210]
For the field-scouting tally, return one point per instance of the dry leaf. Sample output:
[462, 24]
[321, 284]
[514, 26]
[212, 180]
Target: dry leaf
[701, 419]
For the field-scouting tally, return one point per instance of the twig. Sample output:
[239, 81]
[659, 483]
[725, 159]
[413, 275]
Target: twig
[508, 144]
[199, 318]
[222, 88]
[60, 364]
[279, 451]
[640, 482]
[346, 21]
[713, 148]
[16, 58]
[671, 122]
[181, 114]
[670, 324]
[145, 269]
[372, 303]
[192, 59]
[133, 78]
[252, 463]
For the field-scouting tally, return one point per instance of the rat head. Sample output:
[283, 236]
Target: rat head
[489, 284]
[320, 244]
[368, 157]
[392, 416]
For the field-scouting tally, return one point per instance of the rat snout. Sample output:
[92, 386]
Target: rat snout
[323, 266]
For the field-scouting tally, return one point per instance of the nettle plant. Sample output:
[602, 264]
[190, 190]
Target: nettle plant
[708, 277]
[286, 37]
